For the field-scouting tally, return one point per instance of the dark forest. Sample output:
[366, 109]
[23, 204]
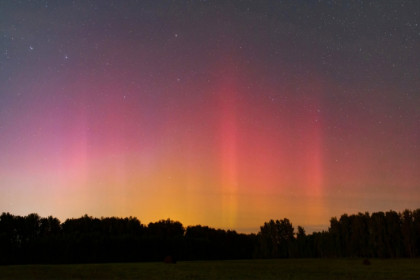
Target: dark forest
[32, 239]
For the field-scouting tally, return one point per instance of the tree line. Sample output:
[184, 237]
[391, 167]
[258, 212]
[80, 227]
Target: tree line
[32, 239]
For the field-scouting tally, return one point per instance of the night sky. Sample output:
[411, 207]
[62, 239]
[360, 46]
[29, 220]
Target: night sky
[220, 113]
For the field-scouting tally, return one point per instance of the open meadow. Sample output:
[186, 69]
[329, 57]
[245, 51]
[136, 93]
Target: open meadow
[242, 269]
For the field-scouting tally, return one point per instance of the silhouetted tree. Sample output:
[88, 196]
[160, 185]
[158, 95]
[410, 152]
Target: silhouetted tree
[416, 226]
[359, 235]
[276, 239]
[165, 239]
[337, 238]
[393, 238]
[10, 241]
[300, 249]
[408, 233]
[377, 235]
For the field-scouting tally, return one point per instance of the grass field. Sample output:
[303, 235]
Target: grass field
[245, 269]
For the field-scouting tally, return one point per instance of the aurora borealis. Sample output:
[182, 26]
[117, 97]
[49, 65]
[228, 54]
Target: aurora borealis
[223, 113]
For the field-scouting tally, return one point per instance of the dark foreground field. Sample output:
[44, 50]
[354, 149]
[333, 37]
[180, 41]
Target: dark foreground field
[245, 269]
